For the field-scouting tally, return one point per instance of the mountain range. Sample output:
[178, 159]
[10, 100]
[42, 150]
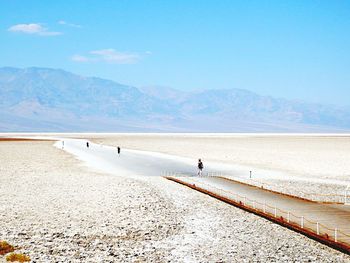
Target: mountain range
[54, 100]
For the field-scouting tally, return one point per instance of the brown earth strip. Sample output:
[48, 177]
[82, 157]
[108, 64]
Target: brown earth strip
[24, 139]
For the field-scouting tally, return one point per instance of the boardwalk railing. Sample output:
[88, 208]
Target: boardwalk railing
[347, 195]
[343, 198]
[334, 237]
[180, 174]
[317, 197]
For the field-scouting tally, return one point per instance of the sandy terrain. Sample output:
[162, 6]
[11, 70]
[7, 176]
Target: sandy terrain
[58, 210]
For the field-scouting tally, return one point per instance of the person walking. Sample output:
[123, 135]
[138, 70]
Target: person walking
[200, 167]
[87, 144]
[118, 150]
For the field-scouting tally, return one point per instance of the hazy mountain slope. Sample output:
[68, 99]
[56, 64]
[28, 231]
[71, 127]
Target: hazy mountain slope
[242, 105]
[41, 99]
[164, 93]
[61, 89]
[41, 96]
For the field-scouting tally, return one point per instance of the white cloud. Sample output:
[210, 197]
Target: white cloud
[109, 56]
[34, 29]
[78, 58]
[113, 56]
[62, 22]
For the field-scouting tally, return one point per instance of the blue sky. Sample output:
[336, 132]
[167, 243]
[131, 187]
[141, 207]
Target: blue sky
[296, 49]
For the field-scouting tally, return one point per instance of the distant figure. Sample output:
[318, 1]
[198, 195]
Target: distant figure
[118, 150]
[62, 144]
[87, 144]
[200, 167]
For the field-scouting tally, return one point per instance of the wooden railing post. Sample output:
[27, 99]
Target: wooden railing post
[335, 235]
[302, 222]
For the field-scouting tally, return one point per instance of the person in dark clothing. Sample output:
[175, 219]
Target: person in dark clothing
[87, 144]
[118, 150]
[200, 167]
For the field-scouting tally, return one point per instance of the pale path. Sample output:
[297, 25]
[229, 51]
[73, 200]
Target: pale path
[134, 162]
[154, 163]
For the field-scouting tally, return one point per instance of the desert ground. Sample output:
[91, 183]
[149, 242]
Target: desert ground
[57, 209]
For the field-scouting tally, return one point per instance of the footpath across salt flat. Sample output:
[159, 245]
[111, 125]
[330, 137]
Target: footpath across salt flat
[154, 164]
[336, 216]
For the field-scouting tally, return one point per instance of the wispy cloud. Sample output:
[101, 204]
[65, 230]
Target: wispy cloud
[78, 58]
[34, 29]
[113, 56]
[65, 23]
[109, 56]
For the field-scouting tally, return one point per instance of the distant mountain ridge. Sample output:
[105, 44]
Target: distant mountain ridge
[43, 99]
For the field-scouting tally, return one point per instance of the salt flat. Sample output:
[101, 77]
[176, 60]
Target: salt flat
[298, 164]
[56, 208]
[322, 156]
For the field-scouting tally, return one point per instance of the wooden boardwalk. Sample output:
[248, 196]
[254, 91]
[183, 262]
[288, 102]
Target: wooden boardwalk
[327, 223]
